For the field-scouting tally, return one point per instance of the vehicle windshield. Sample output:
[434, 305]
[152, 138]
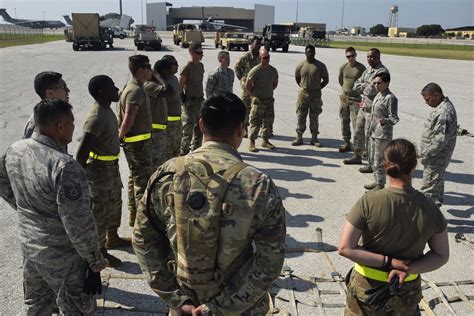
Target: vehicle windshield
[281, 29]
[186, 27]
[235, 35]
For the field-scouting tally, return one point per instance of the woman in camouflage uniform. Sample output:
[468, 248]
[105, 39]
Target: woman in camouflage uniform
[395, 224]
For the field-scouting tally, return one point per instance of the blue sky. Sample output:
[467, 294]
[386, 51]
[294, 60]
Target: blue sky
[412, 13]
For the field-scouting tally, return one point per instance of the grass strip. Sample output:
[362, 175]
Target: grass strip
[31, 40]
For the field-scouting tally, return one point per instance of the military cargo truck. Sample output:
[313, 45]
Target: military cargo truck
[87, 33]
[276, 36]
[146, 37]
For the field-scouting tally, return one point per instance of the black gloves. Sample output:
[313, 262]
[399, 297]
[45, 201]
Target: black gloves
[92, 282]
[380, 295]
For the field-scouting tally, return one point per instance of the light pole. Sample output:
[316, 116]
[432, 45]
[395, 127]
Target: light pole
[15, 12]
[297, 2]
[142, 11]
[342, 17]
[43, 15]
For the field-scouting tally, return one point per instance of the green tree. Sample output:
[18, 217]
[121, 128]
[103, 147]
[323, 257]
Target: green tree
[379, 29]
[429, 30]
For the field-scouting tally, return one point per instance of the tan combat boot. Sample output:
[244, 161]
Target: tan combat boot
[252, 147]
[298, 141]
[315, 142]
[345, 147]
[114, 241]
[267, 144]
[110, 261]
[131, 218]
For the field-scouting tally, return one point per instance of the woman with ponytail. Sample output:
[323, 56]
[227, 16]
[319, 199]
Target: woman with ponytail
[394, 225]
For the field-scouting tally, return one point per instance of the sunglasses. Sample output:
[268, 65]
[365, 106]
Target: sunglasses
[377, 83]
[350, 56]
[198, 53]
[266, 57]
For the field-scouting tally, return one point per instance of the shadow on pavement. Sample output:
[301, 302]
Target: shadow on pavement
[293, 175]
[284, 193]
[460, 226]
[463, 178]
[302, 220]
[457, 198]
[462, 213]
[129, 267]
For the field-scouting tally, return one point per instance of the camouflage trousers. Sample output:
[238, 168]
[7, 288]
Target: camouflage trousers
[140, 163]
[433, 176]
[48, 288]
[159, 146]
[262, 114]
[376, 148]
[247, 100]
[192, 136]
[105, 188]
[404, 303]
[308, 102]
[348, 114]
[174, 133]
[361, 132]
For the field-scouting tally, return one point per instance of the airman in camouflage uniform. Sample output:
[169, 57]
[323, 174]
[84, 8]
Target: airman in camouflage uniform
[383, 117]
[348, 74]
[221, 79]
[261, 81]
[242, 68]
[364, 86]
[437, 141]
[190, 80]
[135, 130]
[174, 129]
[312, 76]
[157, 90]
[48, 85]
[256, 222]
[58, 236]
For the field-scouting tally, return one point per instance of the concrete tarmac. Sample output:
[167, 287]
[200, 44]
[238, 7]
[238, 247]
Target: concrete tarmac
[317, 188]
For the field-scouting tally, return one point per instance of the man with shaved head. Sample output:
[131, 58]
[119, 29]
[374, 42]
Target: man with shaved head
[261, 81]
[437, 141]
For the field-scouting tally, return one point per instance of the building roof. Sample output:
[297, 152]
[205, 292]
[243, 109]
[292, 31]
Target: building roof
[462, 28]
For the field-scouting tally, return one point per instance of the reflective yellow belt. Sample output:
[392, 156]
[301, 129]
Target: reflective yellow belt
[174, 118]
[103, 158]
[137, 138]
[158, 126]
[378, 275]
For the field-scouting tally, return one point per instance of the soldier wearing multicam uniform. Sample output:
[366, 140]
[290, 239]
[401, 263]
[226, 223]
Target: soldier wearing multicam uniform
[99, 153]
[348, 74]
[243, 250]
[174, 129]
[311, 76]
[221, 79]
[383, 117]
[157, 90]
[364, 86]
[386, 243]
[190, 80]
[242, 68]
[59, 240]
[261, 81]
[437, 141]
[135, 130]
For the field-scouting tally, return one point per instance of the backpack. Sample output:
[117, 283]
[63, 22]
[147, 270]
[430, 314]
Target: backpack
[197, 199]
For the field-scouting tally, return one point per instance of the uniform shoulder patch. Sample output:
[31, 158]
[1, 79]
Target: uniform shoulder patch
[73, 191]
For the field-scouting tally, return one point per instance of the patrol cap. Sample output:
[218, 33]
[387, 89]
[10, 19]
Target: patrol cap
[222, 114]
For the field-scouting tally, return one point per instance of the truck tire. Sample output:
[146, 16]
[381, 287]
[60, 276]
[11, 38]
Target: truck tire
[229, 47]
[217, 45]
[122, 36]
[139, 47]
[285, 48]
[274, 48]
[246, 48]
[75, 47]
[157, 46]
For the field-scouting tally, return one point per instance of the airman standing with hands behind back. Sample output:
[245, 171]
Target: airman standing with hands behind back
[261, 81]
[312, 76]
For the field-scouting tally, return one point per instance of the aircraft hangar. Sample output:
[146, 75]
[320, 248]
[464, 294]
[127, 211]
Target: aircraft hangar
[159, 15]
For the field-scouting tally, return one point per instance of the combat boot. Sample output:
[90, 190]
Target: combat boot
[298, 141]
[114, 241]
[365, 154]
[354, 160]
[131, 218]
[252, 147]
[110, 261]
[267, 144]
[315, 142]
[345, 147]
[366, 169]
